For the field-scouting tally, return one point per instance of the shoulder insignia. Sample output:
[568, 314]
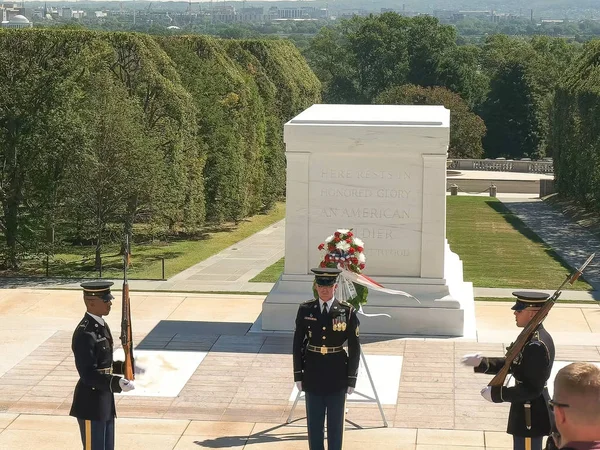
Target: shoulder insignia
[84, 323]
[348, 305]
[540, 344]
[308, 302]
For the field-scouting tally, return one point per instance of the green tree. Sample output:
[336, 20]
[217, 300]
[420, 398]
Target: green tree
[149, 75]
[524, 75]
[513, 113]
[459, 71]
[575, 129]
[359, 58]
[36, 77]
[334, 65]
[466, 128]
[104, 173]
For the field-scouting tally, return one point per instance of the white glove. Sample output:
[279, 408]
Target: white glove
[138, 370]
[126, 385]
[472, 360]
[350, 390]
[486, 393]
[299, 385]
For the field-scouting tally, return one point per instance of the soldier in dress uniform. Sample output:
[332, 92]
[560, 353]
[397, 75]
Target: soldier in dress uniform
[322, 369]
[530, 417]
[93, 400]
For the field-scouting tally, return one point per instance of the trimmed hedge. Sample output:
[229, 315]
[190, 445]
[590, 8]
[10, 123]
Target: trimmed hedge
[200, 133]
[575, 130]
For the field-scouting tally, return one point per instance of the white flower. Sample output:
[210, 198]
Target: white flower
[343, 231]
[329, 239]
[343, 246]
[361, 258]
[358, 242]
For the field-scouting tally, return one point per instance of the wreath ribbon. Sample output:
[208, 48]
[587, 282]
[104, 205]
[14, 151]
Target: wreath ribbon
[346, 289]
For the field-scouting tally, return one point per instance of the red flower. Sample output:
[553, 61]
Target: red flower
[350, 234]
[360, 249]
[361, 266]
[355, 260]
[336, 234]
[321, 246]
[337, 239]
[326, 258]
[349, 241]
[322, 264]
[351, 250]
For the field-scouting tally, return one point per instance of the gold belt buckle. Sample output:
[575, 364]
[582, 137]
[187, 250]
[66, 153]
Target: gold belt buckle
[323, 350]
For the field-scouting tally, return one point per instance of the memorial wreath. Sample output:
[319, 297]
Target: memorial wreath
[345, 251]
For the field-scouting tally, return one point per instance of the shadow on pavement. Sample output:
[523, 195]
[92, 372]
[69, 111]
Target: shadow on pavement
[297, 434]
[229, 337]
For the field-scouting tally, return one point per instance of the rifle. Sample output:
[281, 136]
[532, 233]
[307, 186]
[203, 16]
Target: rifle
[523, 338]
[126, 333]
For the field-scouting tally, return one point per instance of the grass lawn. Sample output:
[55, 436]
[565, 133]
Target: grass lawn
[496, 248]
[270, 274]
[146, 258]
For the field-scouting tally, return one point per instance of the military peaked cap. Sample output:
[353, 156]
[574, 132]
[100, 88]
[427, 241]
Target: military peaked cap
[529, 299]
[98, 289]
[325, 276]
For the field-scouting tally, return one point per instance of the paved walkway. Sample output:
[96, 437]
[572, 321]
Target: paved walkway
[239, 395]
[25, 432]
[229, 270]
[570, 241]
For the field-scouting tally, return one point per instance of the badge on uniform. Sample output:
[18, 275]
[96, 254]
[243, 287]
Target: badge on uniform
[518, 359]
[339, 323]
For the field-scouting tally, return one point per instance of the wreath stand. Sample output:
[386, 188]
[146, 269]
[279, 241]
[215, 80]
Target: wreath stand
[368, 398]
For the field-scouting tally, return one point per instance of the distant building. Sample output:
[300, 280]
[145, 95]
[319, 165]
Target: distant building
[304, 12]
[251, 14]
[10, 10]
[17, 21]
[223, 14]
[66, 12]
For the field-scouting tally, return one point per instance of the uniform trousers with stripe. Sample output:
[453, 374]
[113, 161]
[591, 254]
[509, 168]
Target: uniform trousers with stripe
[316, 406]
[527, 443]
[97, 435]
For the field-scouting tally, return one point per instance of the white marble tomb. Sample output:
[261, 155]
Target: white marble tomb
[380, 170]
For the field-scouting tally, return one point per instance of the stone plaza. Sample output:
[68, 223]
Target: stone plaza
[240, 394]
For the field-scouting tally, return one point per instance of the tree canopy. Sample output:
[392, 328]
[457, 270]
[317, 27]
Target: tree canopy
[99, 131]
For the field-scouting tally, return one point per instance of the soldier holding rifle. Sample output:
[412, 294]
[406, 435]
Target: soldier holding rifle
[529, 419]
[94, 400]
[529, 359]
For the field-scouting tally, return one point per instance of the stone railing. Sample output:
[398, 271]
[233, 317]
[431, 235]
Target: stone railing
[501, 165]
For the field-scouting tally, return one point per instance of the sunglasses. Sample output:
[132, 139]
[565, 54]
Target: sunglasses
[552, 404]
